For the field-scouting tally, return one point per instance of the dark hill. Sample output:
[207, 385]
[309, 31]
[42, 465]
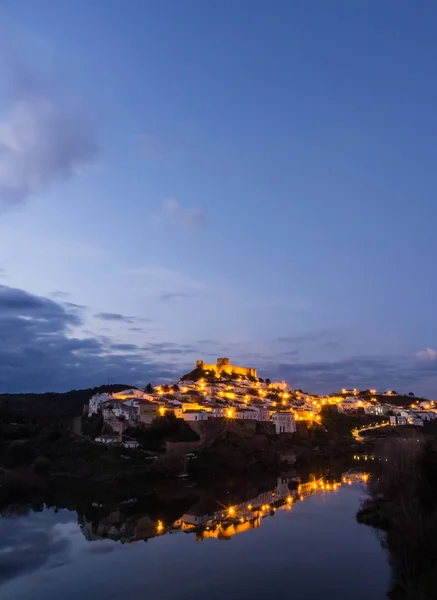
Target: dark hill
[49, 407]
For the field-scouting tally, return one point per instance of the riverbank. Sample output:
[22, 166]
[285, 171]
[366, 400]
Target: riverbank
[402, 503]
[44, 440]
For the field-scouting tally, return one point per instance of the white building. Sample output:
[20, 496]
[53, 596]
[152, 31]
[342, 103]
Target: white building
[425, 415]
[95, 402]
[401, 412]
[398, 420]
[131, 444]
[195, 415]
[107, 439]
[118, 409]
[375, 409]
[246, 414]
[263, 413]
[130, 393]
[219, 411]
[284, 422]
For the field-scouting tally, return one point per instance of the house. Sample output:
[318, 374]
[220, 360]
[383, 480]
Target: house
[130, 393]
[107, 439]
[246, 414]
[375, 409]
[284, 422]
[174, 409]
[219, 411]
[417, 421]
[425, 415]
[398, 420]
[400, 412]
[95, 402]
[195, 415]
[119, 410]
[352, 404]
[187, 404]
[263, 413]
[131, 444]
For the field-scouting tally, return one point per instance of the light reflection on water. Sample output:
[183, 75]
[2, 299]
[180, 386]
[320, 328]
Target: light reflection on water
[296, 539]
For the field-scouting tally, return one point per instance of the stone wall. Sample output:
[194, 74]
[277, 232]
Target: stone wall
[223, 366]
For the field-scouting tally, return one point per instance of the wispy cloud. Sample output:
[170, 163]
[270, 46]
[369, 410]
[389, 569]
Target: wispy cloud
[167, 296]
[173, 213]
[38, 350]
[327, 337]
[119, 318]
[43, 140]
[427, 354]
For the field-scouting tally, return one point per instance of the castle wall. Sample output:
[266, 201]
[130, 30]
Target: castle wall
[225, 367]
[231, 369]
[208, 367]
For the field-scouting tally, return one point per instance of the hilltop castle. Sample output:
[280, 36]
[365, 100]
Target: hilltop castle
[224, 366]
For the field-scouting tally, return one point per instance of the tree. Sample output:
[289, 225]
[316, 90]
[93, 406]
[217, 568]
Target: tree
[411, 394]
[261, 380]
[149, 389]
[175, 387]
[268, 381]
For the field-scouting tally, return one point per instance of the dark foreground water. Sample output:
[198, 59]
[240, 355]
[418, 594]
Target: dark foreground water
[292, 545]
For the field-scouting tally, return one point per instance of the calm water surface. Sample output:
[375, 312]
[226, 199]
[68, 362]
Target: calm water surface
[308, 549]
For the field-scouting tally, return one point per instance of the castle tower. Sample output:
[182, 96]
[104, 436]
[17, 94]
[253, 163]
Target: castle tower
[223, 362]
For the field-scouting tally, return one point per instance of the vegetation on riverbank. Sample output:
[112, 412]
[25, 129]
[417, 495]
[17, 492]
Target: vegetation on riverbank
[402, 502]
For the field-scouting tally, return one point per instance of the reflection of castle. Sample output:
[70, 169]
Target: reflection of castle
[222, 523]
[224, 366]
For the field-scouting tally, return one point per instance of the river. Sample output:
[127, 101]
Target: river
[283, 541]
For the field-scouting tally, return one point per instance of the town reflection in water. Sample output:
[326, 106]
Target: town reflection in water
[127, 523]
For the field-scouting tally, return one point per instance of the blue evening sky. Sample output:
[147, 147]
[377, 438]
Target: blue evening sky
[243, 178]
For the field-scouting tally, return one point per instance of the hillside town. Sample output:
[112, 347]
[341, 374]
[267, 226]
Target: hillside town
[222, 391]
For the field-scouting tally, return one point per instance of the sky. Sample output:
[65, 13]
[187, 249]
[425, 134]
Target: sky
[184, 180]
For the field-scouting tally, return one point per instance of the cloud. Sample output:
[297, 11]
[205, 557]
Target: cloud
[38, 350]
[166, 296]
[125, 347]
[3, 274]
[362, 372]
[58, 294]
[20, 305]
[172, 213]
[118, 318]
[427, 354]
[308, 337]
[43, 140]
